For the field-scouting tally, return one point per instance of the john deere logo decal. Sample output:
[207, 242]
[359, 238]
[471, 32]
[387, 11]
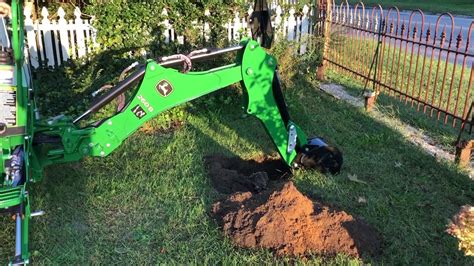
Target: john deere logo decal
[164, 88]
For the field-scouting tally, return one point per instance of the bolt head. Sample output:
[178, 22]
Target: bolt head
[109, 123]
[152, 68]
[249, 71]
[108, 145]
[102, 153]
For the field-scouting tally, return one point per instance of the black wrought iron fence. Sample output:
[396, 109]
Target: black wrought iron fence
[426, 61]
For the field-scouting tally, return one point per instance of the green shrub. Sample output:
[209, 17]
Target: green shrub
[137, 25]
[291, 64]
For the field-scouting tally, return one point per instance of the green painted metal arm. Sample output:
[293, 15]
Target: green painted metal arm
[18, 135]
[163, 88]
[18, 42]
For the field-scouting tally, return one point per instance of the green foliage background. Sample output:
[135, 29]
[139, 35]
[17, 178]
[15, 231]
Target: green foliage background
[138, 24]
[134, 24]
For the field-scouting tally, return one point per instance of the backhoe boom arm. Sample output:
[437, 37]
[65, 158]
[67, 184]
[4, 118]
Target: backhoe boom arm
[162, 88]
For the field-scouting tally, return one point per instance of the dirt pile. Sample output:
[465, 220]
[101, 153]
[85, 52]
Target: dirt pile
[264, 211]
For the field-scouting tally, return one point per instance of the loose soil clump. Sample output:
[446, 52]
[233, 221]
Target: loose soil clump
[263, 210]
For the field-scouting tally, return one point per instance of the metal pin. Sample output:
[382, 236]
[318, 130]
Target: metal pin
[18, 236]
[249, 71]
[37, 213]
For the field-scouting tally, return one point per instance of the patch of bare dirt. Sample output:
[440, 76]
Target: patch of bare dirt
[233, 174]
[263, 210]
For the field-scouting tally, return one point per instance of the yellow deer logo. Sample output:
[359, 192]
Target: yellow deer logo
[164, 88]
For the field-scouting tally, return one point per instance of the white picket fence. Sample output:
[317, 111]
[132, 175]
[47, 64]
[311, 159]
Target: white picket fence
[287, 24]
[51, 42]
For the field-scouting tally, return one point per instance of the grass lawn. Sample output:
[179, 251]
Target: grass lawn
[419, 76]
[390, 106]
[458, 7]
[149, 201]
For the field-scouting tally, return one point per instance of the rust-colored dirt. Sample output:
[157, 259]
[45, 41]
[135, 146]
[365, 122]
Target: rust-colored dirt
[262, 210]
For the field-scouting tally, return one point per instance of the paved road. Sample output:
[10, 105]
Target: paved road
[461, 25]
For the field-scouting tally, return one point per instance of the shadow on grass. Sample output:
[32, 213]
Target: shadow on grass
[62, 231]
[148, 201]
[409, 195]
[413, 114]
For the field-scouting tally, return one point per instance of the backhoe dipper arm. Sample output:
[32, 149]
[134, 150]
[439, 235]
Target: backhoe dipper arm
[163, 88]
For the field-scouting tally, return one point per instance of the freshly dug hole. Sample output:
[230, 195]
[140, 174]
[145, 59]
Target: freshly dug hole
[231, 174]
[264, 211]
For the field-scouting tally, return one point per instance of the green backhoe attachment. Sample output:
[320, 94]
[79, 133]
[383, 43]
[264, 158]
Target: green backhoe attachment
[29, 144]
[163, 88]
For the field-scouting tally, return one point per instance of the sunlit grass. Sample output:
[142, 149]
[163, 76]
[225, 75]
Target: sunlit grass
[148, 202]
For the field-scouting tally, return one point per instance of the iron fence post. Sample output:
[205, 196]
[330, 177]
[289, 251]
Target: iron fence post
[326, 7]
